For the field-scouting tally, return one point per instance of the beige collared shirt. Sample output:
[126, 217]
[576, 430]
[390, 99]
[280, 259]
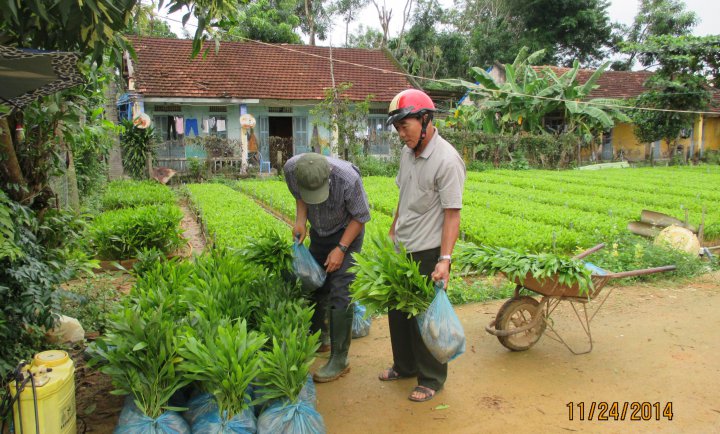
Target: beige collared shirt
[429, 184]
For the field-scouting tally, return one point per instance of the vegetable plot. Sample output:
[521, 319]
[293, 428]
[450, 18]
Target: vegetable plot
[229, 216]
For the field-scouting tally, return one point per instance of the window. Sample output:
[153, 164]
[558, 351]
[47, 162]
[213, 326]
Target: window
[377, 135]
[280, 109]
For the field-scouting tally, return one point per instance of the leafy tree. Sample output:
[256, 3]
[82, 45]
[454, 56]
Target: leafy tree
[314, 18]
[146, 23]
[565, 29]
[688, 66]
[339, 113]
[654, 18]
[273, 21]
[492, 34]
[366, 37]
[426, 52]
[348, 10]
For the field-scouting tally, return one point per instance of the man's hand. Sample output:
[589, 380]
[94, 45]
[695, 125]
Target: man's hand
[299, 233]
[334, 260]
[442, 272]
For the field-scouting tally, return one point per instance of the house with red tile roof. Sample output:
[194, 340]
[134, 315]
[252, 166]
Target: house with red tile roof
[621, 140]
[277, 84]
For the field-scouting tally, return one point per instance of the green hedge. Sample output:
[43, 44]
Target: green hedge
[120, 234]
[128, 194]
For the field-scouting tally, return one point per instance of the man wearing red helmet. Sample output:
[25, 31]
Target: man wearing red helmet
[427, 223]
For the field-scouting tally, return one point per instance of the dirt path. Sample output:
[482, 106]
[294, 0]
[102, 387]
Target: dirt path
[652, 344]
[191, 229]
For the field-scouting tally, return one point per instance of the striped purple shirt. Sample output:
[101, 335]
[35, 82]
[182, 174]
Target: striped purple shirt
[347, 199]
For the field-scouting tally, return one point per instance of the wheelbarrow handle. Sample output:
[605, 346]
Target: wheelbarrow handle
[589, 251]
[642, 272]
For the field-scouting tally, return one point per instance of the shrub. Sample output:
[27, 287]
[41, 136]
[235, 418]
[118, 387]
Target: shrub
[128, 194]
[120, 234]
[375, 166]
[30, 274]
[631, 252]
[136, 144]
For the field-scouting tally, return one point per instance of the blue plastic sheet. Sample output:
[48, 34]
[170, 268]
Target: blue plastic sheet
[306, 268]
[133, 421]
[281, 417]
[360, 324]
[441, 329]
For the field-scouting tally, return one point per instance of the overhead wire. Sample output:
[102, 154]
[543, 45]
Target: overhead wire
[483, 91]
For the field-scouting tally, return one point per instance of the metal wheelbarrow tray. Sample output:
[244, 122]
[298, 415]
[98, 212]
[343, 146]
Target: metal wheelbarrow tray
[522, 320]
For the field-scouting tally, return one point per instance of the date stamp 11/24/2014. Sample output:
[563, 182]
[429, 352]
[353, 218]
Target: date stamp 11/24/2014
[619, 411]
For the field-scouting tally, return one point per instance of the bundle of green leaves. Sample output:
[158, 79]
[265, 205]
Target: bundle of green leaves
[139, 354]
[516, 266]
[285, 367]
[120, 234]
[270, 251]
[225, 358]
[386, 278]
[129, 194]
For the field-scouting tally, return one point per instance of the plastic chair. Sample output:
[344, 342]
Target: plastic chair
[263, 164]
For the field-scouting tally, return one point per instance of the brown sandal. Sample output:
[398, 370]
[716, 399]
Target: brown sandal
[427, 394]
[389, 375]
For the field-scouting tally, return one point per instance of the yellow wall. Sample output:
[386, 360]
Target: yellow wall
[711, 134]
[624, 138]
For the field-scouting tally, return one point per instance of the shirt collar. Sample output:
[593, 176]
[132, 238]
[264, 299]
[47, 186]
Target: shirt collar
[430, 146]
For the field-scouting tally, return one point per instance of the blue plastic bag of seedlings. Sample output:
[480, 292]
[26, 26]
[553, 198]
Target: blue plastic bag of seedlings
[133, 421]
[308, 393]
[306, 268]
[282, 417]
[441, 329]
[198, 405]
[212, 422]
[360, 324]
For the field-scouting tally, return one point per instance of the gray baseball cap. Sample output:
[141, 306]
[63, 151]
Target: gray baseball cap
[313, 175]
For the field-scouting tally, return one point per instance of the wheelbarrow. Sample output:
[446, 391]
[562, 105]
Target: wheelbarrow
[522, 320]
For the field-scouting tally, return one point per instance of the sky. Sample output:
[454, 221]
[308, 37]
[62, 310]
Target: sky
[622, 11]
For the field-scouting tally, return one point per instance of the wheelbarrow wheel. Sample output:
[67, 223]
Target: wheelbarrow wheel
[516, 313]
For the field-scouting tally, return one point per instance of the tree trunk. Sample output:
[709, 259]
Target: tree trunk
[9, 164]
[311, 21]
[115, 167]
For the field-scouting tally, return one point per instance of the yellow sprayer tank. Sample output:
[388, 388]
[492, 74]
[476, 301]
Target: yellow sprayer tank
[55, 392]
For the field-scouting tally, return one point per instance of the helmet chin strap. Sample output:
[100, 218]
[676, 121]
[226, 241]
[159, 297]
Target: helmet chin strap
[425, 120]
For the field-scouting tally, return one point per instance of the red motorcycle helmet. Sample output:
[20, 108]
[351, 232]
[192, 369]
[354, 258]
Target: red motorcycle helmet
[410, 102]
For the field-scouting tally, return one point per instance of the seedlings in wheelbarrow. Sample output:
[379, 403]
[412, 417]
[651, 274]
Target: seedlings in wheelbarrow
[516, 266]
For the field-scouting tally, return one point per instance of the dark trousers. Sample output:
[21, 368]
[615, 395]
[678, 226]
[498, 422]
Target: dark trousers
[335, 292]
[411, 357]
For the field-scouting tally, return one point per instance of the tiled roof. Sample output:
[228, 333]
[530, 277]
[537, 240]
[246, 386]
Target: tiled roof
[252, 70]
[612, 84]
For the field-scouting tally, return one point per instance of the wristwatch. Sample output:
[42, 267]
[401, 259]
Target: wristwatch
[342, 247]
[445, 258]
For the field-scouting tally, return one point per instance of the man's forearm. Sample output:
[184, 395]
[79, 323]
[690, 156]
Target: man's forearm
[300, 213]
[352, 230]
[450, 231]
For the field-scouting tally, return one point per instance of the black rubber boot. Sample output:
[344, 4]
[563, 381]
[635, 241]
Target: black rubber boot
[340, 338]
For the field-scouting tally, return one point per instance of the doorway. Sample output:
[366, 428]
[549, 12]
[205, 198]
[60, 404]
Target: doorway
[280, 132]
